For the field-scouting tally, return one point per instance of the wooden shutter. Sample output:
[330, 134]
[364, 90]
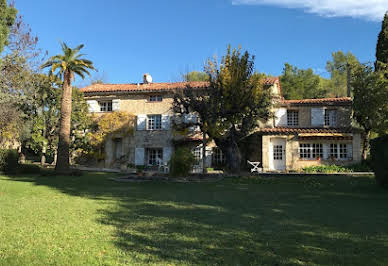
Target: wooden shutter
[317, 116]
[349, 150]
[141, 122]
[165, 122]
[116, 105]
[281, 117]
[325, 147]
[93, 105]
[166, 154]
[139, 156]
[209, 155]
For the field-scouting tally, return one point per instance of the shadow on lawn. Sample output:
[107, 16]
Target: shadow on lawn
[274, 222]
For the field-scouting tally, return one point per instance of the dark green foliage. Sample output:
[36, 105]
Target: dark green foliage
[181, 162]
[338, 67]
[29, 169]
[332, 168]
[382, 43]
[232, 106]
[370, 101]
[326, 169]
[9, 160]
[379, 160]
[7, 18]
[301, 83]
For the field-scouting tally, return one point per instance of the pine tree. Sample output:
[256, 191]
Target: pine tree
[382, 44]
[7, 18]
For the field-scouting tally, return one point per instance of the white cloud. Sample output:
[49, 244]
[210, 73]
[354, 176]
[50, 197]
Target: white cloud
[367, 9]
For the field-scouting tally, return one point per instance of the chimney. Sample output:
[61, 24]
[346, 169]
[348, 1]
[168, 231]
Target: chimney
[147, 78]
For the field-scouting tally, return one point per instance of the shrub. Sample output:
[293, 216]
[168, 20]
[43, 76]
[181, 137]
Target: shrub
[29, 169]
[181, 162]
[379, 159]
[9, 161]
[332, 168]
[364, 166]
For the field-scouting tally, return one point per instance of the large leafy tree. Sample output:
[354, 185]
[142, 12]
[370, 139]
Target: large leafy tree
[46, 114]
[370, 103]
[7, 18]
[382, 45]
[338, 67]
[232, 106]
[301, 83]
[66, 66]
[18, 82]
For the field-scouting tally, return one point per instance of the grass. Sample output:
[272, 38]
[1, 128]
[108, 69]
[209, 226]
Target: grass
[90, 220]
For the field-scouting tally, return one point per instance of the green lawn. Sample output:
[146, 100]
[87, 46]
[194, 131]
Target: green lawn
[91, 220]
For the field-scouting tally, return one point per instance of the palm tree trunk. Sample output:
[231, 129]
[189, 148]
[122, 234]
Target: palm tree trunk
[63, 166]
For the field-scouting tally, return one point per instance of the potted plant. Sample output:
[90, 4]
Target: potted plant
[139, 170]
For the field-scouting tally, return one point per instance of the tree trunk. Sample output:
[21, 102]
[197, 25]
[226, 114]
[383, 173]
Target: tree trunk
[204, 171]
[63, 166]
[232, 155]
[365, 144]
[43, 157]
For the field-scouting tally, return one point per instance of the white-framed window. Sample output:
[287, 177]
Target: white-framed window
[310, 150]
[343, 151]
[154, 156]
[333, 151]
[105, 106]
[154, 122]
[330, 117]
[292, 118]
[197, 152]
[304, 151]
[278, 152]
[155, 98]
[218, 157]
[317, 150]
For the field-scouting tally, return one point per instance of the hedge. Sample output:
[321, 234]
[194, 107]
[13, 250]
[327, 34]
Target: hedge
[9, 160]
[379, 160]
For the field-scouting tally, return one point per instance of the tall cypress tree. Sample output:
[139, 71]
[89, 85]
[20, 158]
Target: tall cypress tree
[382, 43]
[7, 18]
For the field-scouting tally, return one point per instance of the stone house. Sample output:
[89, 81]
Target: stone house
[302, 132]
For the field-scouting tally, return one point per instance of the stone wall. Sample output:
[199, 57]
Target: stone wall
[293, 162]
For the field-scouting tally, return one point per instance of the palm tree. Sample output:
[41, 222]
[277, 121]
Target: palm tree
[65, 66]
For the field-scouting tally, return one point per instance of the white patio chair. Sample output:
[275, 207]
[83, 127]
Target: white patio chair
[255, 167]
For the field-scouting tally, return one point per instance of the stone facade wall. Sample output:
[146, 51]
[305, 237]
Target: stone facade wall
[293, 162]
[342, 118]
[137, 104]
[258, 150]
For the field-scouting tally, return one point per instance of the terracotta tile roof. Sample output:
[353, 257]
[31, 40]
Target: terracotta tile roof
[325, 138]
[288, 130]
[142, 87]
[271, 80]
[341, 100]
[165, 86]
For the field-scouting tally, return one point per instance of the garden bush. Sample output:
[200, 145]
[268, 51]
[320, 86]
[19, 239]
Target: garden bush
[379, 160]
[29, 169]
[181, 162]
[332, 168]
[9, 160]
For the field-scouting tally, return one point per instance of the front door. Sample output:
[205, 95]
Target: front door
[277, 154]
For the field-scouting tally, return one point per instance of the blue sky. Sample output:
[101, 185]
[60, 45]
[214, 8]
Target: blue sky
[167, 38]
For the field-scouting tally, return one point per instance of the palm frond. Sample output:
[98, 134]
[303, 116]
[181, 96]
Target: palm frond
[71, 61]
